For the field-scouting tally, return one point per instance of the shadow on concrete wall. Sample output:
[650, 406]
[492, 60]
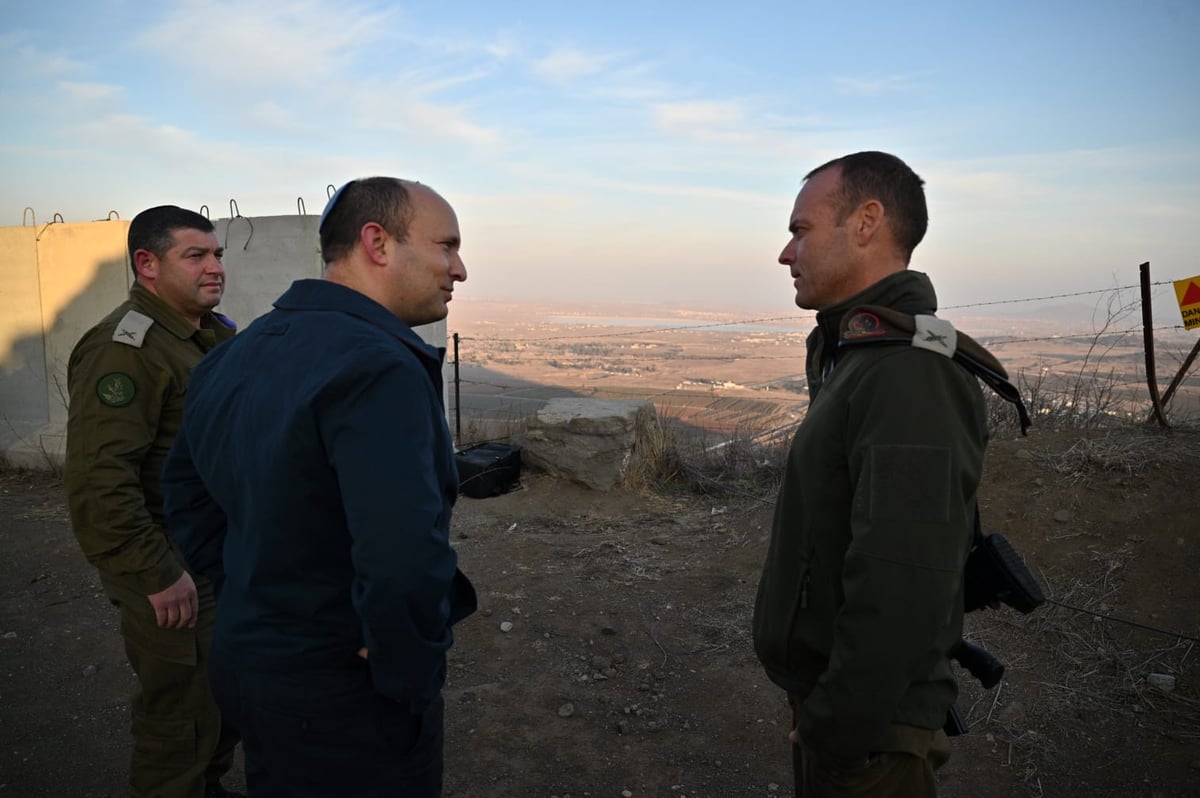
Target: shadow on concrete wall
[33, 397]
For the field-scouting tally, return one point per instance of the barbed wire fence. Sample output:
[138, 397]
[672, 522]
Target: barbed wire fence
[1094, 375]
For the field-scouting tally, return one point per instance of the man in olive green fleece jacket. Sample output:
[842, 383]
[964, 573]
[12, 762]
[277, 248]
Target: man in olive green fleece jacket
[127, 379]
[860, 601]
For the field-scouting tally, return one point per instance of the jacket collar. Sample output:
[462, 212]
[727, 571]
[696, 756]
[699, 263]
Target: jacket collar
[907, 291]
[313, 294]
[170, 319]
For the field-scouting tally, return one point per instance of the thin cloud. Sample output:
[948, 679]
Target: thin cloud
[438, 120]
[703, 120]
[265, 43]
[502, 49]
[874, 86]
[19, 57]
[677, 116]
[581, 184]
[272, 115]
[566, 64]
[90, 92]
[359, 71]
[177, 149]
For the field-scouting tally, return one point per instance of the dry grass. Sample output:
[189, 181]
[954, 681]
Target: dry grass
[1127, 452]
[742, 465]
[1081, 673]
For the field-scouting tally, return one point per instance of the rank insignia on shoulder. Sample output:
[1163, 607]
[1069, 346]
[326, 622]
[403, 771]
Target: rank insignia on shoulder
[934, 334]
[131, 329]
[863, 324]
[116, 389]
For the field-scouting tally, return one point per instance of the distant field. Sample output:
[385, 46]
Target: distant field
[729, 372]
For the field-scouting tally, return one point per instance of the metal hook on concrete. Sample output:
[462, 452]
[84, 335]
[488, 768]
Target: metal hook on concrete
[204, 212]
[330, 190]
[32, 215]
[234, 213]
[113, 215]
[300, 206]
[56, 219]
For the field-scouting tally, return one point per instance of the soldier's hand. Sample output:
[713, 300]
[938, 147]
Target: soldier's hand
[176, 607]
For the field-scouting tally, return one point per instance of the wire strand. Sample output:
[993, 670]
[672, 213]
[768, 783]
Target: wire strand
[1053, 296]
[1125, 621]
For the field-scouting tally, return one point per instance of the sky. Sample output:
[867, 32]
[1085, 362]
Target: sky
[642, 151]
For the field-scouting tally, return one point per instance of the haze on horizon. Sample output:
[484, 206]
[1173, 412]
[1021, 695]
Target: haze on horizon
[632, 151]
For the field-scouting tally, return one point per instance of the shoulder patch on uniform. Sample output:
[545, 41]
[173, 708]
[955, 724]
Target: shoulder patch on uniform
[131, 329]
[863, 324]
[116, 389]
[934, 334]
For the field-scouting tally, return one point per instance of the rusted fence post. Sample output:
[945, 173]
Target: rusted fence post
[1148, 334]
[457, 398]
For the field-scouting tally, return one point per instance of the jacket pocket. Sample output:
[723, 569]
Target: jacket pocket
[797, 612]
[780, 606]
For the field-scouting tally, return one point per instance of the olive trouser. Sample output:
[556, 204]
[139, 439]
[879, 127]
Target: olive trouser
[903, 768]
[179, 741]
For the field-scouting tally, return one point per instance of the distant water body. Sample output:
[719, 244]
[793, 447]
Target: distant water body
[673, 324]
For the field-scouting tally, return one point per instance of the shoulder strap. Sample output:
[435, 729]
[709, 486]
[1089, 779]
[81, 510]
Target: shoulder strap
[874, 324]
[131, 329]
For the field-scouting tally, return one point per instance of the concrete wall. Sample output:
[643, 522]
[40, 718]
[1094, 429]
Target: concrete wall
[57, 280]
[261, 262]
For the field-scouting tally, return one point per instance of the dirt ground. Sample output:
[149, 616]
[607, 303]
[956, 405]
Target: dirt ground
[628, 669]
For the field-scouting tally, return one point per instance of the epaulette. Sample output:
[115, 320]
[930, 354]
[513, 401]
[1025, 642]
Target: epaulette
[872, 324]
[131, 329]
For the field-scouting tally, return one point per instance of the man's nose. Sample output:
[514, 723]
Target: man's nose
[788, 256]
[458, 269]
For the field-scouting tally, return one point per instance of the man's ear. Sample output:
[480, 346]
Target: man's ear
[146, 264]
[373, 238]
[867, 221]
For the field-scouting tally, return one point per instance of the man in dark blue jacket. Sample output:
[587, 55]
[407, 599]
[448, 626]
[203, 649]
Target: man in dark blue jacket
[313, 481]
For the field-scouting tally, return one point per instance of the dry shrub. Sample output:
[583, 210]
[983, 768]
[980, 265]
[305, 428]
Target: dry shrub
[1128, 452]
[503, 430]
[748, 463]
[649, 451]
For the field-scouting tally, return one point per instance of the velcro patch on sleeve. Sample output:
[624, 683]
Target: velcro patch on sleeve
[863, 324]
[910, 483]
[934, 334]
[116, 389]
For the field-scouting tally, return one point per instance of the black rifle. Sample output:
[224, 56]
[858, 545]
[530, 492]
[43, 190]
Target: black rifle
[994, 574]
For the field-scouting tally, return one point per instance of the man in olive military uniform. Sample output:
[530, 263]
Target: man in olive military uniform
[127, 378]
[861, 597]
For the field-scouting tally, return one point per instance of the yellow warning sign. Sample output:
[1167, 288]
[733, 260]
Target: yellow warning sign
[1188, 292]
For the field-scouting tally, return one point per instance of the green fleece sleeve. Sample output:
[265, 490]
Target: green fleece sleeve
[116, 398]
[915, 440]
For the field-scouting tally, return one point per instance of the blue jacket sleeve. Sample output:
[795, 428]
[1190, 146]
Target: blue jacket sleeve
[387, 442]
[194, 521]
